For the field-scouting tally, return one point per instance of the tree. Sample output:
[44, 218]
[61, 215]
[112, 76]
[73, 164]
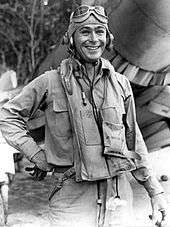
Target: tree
[29, 30]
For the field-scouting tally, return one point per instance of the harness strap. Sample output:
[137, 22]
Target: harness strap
[102, 193]
[128, 154]
[60, 178]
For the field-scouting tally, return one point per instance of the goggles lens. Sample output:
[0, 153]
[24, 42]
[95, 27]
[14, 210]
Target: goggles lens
[84, 10]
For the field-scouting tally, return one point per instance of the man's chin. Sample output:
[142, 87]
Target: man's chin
[92, 59]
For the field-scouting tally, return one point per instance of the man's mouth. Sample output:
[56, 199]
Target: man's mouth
[92, 47]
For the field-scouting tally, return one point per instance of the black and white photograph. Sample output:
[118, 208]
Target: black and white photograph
[85, 113]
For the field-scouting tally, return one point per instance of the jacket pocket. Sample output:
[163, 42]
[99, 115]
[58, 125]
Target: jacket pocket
[61, 124]
[113, 131]
[89, 126]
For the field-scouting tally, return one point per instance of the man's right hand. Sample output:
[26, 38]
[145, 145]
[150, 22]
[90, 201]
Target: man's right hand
[39, 171]
[36, 173]
[40, 160]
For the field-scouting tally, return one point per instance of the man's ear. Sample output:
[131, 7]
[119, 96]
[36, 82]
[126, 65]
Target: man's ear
[65, 40]
[71, 41]
[110, 38]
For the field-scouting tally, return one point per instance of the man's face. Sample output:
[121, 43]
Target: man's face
[90, 41]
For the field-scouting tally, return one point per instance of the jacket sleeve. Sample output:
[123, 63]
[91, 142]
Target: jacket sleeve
[143, 172]
[15, 113]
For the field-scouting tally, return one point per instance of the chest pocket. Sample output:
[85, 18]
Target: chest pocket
[61, 123]
[113, 130]
[90, 129]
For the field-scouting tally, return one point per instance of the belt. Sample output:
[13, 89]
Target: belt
[61, 169]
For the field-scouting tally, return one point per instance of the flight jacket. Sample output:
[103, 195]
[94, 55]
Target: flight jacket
[62, 145]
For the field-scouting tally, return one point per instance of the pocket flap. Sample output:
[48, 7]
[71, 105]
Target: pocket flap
[112, 114]
[60, 105]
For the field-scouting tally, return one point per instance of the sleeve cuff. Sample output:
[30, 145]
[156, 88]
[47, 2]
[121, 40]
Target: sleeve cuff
[152, 186]
[30, 148]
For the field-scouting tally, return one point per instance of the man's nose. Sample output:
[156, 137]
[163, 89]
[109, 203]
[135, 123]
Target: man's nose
[94, 37]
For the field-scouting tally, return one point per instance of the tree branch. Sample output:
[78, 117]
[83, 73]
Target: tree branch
[32, 33]
[6, 8]
[10, 41]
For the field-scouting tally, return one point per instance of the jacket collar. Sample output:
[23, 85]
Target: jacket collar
[78, 67]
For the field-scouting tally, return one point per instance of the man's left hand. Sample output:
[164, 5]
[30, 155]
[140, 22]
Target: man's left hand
[159, 210]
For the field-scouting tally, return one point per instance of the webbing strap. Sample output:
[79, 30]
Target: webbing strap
[60, 180]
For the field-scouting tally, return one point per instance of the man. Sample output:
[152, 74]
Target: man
[91, 129]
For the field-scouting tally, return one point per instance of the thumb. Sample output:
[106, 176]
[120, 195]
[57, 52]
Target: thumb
[155, 214]
[29, 169]
[155, 221]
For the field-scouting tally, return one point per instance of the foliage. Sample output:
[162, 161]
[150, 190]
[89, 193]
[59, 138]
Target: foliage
[29, 30]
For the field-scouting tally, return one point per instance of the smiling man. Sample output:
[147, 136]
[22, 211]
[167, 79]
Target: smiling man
[90, 40]
[92, 137]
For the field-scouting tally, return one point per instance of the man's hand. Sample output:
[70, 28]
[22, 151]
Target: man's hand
[36, 173]
[159, 209]
[40, 161]
[39, 171]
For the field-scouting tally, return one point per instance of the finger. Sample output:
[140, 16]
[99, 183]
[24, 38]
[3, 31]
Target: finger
[38, 178]
[29, 169]
[42, 175]
[163, 220]
[37, 174]
[32, 174]
[154, 216]
[155, 222]
[163, 224]
[163, 214]
[150, 217]
[158, 224]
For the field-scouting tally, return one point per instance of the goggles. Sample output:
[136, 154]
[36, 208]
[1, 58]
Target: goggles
[84, 11]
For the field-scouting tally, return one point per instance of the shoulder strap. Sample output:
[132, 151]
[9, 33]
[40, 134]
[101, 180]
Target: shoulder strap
[66, 71]
[41, 105]
[118, 89]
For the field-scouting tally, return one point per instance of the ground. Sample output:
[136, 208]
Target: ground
[28, 199]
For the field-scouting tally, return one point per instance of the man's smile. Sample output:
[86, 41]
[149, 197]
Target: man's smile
[92, 47]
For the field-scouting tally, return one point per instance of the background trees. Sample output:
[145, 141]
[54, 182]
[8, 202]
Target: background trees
[29, 30]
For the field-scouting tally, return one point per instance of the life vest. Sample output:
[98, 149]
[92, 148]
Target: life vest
[93, 159]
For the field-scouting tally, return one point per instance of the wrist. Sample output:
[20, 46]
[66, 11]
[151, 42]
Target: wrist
[40, 160]
[157, 194]
[39, 156]
[152, 186]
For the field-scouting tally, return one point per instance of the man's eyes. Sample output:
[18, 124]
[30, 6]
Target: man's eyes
[87, 32]
[84, 32]
[101, 31]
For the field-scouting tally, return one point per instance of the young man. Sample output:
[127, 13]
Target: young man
[91, 129]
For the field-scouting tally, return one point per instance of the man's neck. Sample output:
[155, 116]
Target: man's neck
[92, 69]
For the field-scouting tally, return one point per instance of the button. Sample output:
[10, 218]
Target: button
[99, 201]
[128, 167]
